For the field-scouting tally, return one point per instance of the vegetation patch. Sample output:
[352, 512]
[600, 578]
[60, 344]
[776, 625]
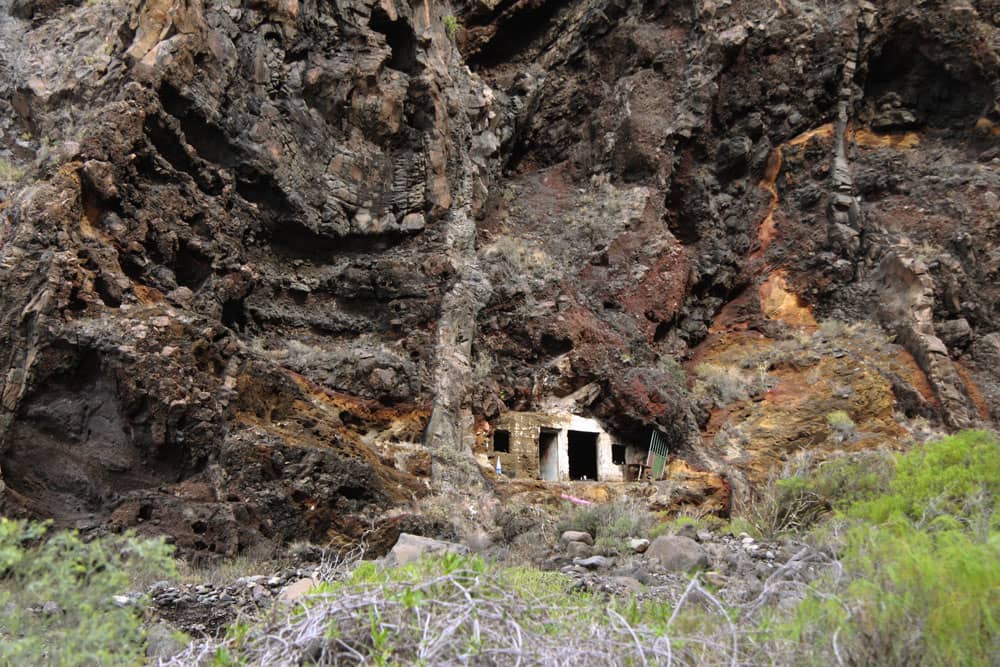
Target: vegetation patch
[610, 524]
[922, 563]
[454, 610]
[64, 599]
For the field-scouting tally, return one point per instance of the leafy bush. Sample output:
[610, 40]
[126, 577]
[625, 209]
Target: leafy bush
[923, 564]
[954, 482]
[451, 26]
[63, 598]
[725, 384]
[9, 173]
[674, 370]
[795, 500]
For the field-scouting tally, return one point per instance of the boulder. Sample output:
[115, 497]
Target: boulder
[594, 562]
[576, 536]
[578, 550]
[956, 334]
[295, 590]
[409, 548]
[638, 545]
[689, 531]
[677, 554]
[628, 583]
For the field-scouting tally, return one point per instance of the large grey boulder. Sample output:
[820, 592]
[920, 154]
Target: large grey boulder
[677, 554]
[409, 548]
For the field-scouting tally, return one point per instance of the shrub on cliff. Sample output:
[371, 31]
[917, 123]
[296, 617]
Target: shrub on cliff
[63, 598]
[951, 483]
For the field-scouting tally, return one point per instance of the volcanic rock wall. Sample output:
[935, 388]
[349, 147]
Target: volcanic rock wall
[222, 289]
[269, 267]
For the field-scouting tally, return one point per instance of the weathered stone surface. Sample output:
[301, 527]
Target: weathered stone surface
[294, 591]
[576, 536]
[228, 206]
[638, 544]
[594, 562]
[579, 550]
[677, 554]
[412, 547]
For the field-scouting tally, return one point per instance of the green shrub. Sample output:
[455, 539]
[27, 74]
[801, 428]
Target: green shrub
[463, 610]
[793, 502]
[953, 480]
[609, 524]
[451, 27]
[923, 564]
[63, 598]
[724, 384]
[9, 172]
[674, 370]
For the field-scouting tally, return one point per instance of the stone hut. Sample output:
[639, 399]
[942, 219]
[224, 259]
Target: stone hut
[561, 447]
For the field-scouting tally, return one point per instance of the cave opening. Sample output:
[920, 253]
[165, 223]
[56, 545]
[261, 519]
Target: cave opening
[234, 315]
[516, 33]
[401, 39]
[192, 268]
[939, 97]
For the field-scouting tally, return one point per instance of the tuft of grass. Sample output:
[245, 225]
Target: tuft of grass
[797, 498]
[724, 384]
[708, 522]
[451, 27]
[841, 425]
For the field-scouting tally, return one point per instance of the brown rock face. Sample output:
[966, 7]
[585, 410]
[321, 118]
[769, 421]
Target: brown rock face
[222, 292]
[268, 268]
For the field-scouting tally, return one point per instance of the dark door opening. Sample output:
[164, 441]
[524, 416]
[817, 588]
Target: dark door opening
[582, 455]
[548, 455]
[501, 441]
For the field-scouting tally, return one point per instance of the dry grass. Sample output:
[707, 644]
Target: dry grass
[459, 612]
[9, 172]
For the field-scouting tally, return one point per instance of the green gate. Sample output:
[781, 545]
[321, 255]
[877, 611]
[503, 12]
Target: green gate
[658, 453]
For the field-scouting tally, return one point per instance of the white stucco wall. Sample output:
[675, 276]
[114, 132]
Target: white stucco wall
[525, 428]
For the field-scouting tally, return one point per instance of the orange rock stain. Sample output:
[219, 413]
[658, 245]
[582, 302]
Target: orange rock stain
[777, 302]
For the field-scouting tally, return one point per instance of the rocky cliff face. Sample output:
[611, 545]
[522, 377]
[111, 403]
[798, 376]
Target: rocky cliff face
[270, 268]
